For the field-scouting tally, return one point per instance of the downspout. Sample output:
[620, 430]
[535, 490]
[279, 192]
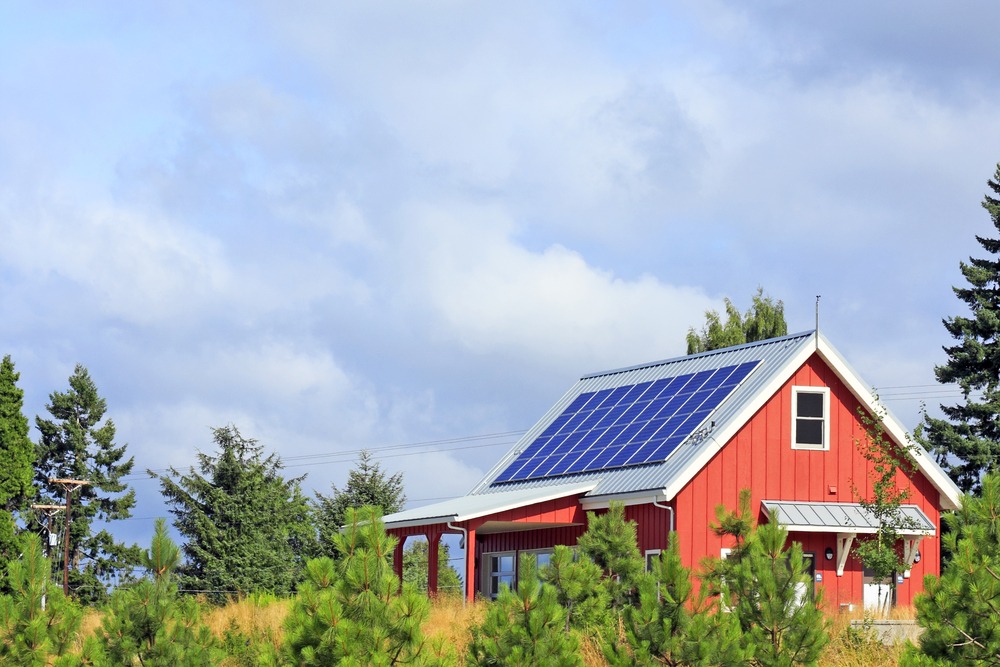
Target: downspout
[464, 545]
[670, 509]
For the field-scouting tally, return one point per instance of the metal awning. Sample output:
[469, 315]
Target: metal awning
[807, 517]
[478, 505]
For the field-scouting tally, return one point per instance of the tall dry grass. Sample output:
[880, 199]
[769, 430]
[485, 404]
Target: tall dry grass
[260, 616]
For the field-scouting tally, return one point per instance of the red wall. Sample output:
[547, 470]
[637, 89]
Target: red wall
[760, 458]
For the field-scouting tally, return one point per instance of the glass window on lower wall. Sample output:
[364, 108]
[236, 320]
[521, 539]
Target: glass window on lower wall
[501, 568]
[651, 556]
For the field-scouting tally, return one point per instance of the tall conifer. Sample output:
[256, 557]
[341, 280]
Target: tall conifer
[18, 456]
[967, 440]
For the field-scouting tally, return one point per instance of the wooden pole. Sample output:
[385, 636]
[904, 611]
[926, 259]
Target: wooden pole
[70, 485]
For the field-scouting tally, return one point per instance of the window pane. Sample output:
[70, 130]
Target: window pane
[506, 564]
[809, 404]
[543, 559]
[809, 431]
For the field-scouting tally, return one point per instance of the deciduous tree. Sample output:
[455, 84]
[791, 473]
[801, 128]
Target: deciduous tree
[764, 319]
[967, 440]
[79, 443]
[247, 528]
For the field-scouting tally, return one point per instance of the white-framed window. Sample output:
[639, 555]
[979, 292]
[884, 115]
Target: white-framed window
[810, 418]
[651, 556]
[542, 556]
[499, 568]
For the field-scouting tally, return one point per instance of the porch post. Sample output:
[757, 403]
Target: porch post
[433, 542]
[470, 564]
[397, 559]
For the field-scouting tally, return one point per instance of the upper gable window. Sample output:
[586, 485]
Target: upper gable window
[810, 418]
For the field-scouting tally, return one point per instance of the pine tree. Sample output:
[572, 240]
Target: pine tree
[525, 627]
[415, 568]
[967, 440]
[763, 583]
[30, 635]
[670, 627]
[367, 485]
[580, 589]
[148, 624]
[764, 319]
[247, 528]
[351, 611]
[960, 612]
[611, 543]
[18, 455]
[78, 443]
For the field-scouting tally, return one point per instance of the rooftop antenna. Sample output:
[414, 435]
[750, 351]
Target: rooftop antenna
[817, 321]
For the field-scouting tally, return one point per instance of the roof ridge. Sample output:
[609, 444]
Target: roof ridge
[700, 355]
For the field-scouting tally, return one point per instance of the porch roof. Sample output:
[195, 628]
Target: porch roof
[475, 506]
[842, 518]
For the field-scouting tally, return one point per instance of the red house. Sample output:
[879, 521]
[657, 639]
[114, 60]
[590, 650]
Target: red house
[672, 440]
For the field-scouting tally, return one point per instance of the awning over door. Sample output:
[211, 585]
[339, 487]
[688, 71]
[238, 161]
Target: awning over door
[843, 518]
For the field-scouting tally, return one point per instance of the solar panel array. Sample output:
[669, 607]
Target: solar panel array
[628, 425]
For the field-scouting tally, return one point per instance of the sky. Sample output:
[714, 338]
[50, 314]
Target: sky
[410, 227]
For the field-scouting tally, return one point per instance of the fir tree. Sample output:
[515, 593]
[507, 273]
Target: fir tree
[351, 612]
[967, 440]
[247, 528]
[524, 627]
[764, 319]
[18, 455]
[79, 443]
[148, 624]
[367, 485]
[959, 612]
[37, 623]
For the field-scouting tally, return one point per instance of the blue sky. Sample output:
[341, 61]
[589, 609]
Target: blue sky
[344, 225]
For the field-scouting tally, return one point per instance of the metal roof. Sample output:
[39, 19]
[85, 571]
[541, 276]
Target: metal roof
[774, 355]
[472, 507]
[843, 518]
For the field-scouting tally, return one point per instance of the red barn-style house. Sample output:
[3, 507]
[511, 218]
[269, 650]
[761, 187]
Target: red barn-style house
[674, 439]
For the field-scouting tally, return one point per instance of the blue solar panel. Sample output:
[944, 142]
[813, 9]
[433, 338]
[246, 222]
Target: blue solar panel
[627, 425]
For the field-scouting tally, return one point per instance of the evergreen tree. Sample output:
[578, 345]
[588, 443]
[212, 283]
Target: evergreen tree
[611, 543]
[580, 590]
[415, 568]
[960, 612]
[148, 624]
[763, 583]
[30, 635]
[524, 627]
[669, 627]
[764, 319]
[367, 485]
[351, 612]
[79, 443]
[247, 528]
[18, 455]
[967, 440]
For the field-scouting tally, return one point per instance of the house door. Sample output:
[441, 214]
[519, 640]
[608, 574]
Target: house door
[806, 591]
[877, 597]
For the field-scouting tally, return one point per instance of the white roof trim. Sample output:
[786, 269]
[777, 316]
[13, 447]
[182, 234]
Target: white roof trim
[629, 498]
[470, 507]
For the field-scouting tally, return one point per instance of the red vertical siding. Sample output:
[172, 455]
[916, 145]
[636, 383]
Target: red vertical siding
[760, 457]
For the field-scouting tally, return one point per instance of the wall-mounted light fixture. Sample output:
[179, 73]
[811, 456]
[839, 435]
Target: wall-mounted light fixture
[916, 557]
[829, 553]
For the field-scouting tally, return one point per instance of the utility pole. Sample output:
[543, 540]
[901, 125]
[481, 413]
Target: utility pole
[49, 511]
[70, 485]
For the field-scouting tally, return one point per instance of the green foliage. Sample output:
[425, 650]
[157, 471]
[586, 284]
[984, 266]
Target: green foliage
[148, 624]
[610, 542]
[764, 319]
[579, 589]
[31, 636]
[78, 443]
[967, 440]
[351, 612]
[960, 612]
[247, 528]
[18, 455]
[415, 568]
[880, 552]
[525, 627]
[763, 584]
[668, 627]
[367, 485]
